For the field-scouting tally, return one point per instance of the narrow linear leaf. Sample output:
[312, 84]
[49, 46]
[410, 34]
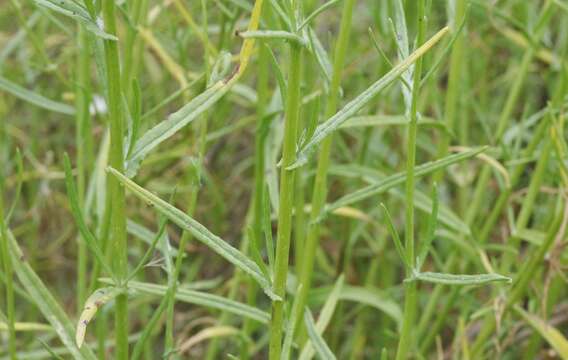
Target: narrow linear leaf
[148, 236]
[399, 178]
[159, 235]
[49, 350]
[272, 35]
[295, 314]
[316, 12]
[26, 326]
[551, 334]
[282, 86]
[94, 302]
[176, 121]
[201, 298]
[208, 333]
[46, 303]
[360, 101]
[255, 252]
[192, 110]
[395, 238]
[458, 279]
[431, 229]
[392, 120]
[321, 56]
[324, 317]
[79, 13]
[322, 349]
[20, 182]
[86, 234]
[200, 232]
[34, 98]
[361, 295]
[422, 201]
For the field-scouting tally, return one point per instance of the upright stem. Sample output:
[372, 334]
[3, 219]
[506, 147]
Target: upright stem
[286, 199]
[259, 179]
[454, 82]
[8, 273]
[132, 46]
[118, 221]
[83, 130]
[320, 183]
[405, 342]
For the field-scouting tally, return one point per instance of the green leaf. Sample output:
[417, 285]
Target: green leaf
[79, 13]
[199, 231]
[458, 279]
[438, 62]
[267, 229]
[321, 56]
[165, 129]
[399, 178]
[255, 252]
[202, 299]
[322, 349]
[363, 99]
[551, 334]
[295, 314]
[392, 120]
[361, 295]
[159, 235]
[144, 234]
[324, 317]
[395, 238]
[90, 240]
[316, 12]
[282, 85]
[18, 191]
[34, 98]
[273, 35]
[46, 303]
[50, 350]
[431, 229]
[421, 201]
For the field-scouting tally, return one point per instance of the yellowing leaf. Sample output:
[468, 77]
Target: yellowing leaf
[93, 303]
[548, 332]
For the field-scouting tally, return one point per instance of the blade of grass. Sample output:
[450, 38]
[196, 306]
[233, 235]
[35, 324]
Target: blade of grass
[321, 347]
[34, 98]
[457, 279]
[87, 236]
[324, 318]
[48, 306]
[399, 178]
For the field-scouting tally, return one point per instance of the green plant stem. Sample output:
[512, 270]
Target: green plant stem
[133, 48]
[83, 144]
[292, 113]
[8, 273]
[454, 83]
[319, 192]
[262, 127]
[118, 222]
[410, 288]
